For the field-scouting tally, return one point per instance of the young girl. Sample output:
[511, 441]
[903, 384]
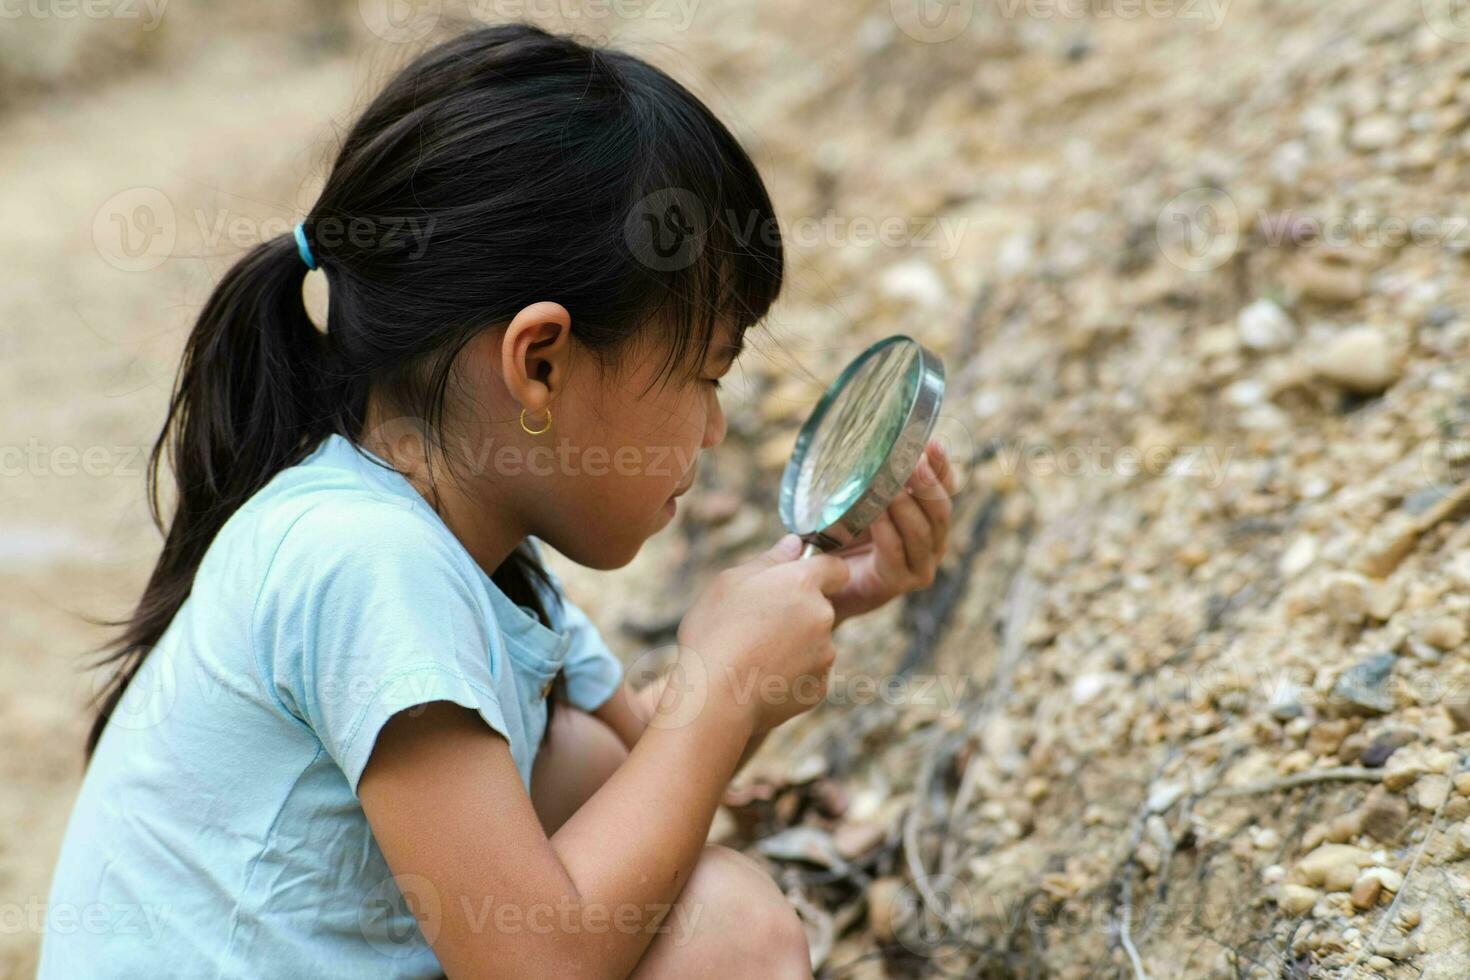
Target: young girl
[322, 753]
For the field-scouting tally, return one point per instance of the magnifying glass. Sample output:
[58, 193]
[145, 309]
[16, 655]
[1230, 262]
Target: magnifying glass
[861, 443]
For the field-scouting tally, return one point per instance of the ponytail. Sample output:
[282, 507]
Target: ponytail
[249, 401]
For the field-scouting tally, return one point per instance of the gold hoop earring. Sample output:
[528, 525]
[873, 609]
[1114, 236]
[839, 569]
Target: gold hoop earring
[536, 432]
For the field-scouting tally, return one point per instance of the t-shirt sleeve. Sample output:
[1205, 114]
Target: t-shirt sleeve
[593, 671]
[367, 610]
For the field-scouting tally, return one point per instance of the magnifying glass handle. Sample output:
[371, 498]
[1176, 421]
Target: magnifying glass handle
[809, 549]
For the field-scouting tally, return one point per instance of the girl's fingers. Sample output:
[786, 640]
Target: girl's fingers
[935, 502]
[888, 542]
[913, 525]
[939, 459]
[934, 478]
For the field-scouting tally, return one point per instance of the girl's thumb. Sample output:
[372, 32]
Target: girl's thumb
[779, 553]
[782, 551]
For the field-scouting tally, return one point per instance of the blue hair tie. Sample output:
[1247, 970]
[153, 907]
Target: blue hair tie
[303, 249]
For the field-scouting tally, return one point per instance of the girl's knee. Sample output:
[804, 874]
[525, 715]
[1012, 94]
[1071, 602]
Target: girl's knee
[741, 917]
[773, 918]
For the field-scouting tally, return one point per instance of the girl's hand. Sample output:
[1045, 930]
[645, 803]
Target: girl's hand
[758, 639]
[900, 551]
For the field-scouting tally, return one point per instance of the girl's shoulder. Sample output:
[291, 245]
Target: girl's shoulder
[339, 540]
[340, 522]
[364, 609]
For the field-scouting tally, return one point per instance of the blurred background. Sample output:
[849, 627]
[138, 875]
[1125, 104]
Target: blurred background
[1188, 698]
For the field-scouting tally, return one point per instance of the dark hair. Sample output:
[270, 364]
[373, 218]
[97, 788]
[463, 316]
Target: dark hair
[502, 166]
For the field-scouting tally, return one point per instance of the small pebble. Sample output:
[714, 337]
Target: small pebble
[1265, 326]
[1430, 792]
[1376, 132]
[1297, 899]
[1445, 632]
[1365, 892]
[1390, 879]
[1362, 360]
[1384, 815]
[1364, 687]
[1332, 864]
[1325, 737]
[1286, 702]
[1326, 283]
[1344, 827]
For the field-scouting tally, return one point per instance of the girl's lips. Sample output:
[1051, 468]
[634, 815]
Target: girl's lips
[672, 504]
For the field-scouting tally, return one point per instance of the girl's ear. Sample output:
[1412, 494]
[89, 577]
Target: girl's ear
[535, 354]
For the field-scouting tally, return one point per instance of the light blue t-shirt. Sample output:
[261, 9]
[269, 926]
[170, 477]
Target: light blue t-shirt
[218, 831]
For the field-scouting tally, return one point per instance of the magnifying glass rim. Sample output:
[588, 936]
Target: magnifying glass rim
[931, 385]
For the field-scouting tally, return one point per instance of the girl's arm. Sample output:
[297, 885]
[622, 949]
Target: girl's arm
[492, 893]
[627, 713]
[497, 898]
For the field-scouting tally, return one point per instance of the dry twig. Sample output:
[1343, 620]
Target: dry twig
[1340, 774]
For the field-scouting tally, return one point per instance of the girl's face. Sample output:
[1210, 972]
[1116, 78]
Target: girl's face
[638, 452]
[605, 476]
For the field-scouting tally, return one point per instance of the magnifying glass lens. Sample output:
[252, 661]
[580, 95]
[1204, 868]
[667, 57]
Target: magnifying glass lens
[856, 436]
